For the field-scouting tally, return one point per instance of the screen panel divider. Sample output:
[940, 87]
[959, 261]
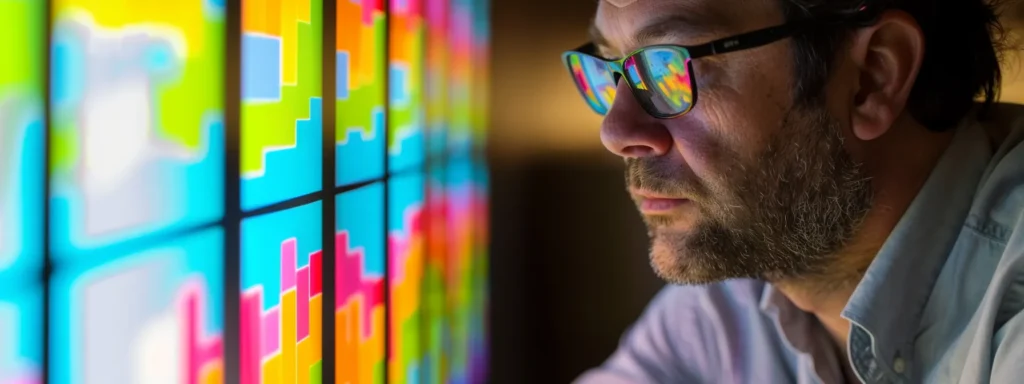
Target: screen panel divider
[232, 190]
[329, 145]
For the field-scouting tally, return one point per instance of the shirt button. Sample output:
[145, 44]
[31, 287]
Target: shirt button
[899, 365]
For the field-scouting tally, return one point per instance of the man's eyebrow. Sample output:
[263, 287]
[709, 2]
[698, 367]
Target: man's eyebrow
[703, 25]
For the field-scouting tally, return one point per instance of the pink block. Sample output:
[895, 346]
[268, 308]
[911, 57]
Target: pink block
[212, 350]
[316, 273]
[249, 331]
[288, 250]
[188, 314]
[271, 332]
[368, 11]
[303, 304]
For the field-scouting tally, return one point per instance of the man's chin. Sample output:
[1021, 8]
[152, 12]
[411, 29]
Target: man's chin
[674, 263]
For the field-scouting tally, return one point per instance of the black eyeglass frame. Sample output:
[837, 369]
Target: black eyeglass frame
[863, 15]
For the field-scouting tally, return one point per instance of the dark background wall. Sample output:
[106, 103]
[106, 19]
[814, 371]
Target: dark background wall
[569, 252]
[569, 261]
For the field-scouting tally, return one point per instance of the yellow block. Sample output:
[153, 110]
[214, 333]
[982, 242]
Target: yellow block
[289, 43]
[185, 16]
[303, 7]
[272, 371]
[213, 373]
[289, 355]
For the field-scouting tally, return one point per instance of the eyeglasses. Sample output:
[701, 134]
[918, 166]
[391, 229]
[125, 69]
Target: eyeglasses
[661, 76]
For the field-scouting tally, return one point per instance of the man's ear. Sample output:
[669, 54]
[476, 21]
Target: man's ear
[888, 56]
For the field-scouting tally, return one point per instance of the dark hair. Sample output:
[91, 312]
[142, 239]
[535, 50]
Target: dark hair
[963, 41]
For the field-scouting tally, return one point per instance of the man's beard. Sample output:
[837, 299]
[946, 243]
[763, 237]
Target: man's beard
[782, 216]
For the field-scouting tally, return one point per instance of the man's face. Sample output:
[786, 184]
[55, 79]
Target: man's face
[750, 183]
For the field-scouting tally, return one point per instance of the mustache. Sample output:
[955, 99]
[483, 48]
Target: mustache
[660, 177]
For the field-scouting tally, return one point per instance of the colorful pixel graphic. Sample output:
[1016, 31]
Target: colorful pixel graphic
[359, 311]
[137, 135]
[433, 325]
[282, 298]
[459, 283]
[21, 335]
[21, 139]
[361, 65]
[436, 84]
[406, 67]
[281, 100]
[405, 252]
[460, 78]
[151, 317]
[481, 88]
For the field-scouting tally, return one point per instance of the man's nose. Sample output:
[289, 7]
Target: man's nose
[629, 131]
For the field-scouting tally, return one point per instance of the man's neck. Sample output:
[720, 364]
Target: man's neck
[897, 177]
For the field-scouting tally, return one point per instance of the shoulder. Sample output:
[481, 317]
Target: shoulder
[999, 199]
[998, 214]
[698, 334]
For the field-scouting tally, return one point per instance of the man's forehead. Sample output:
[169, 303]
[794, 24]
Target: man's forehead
[627, 24]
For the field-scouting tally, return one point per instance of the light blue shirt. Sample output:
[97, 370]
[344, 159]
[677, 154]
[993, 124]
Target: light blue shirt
[943, 301]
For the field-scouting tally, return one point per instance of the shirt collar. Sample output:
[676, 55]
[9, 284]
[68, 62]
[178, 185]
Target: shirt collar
[889, 300]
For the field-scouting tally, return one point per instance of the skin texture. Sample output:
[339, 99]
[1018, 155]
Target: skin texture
[800, 194]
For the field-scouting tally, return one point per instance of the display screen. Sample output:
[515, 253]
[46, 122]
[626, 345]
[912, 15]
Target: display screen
[406, 246]
[21, 334]
[167, 204]
[21, 138]
[137, 114]
[359, 274]
[406, 63]
[281, 100]
[150, 316]
[360, 70]
[282, 297]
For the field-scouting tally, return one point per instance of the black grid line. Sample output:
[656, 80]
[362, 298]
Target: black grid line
[232, 191]
[328, 283]
[47, 146]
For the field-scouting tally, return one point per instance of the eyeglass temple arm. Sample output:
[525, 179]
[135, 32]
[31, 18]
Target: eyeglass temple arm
[747, 40]
[862, 15]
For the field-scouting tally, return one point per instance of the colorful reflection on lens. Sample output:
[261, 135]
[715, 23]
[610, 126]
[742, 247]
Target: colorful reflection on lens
[668, 70]
[594, 80]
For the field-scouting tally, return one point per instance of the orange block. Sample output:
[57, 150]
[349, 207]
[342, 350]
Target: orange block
[304, 361]
[399, 37]
[254, 15]
[347, 343]
[364, 64]
[273, 25]
[316, 327]
[349, 21]
[372, 350]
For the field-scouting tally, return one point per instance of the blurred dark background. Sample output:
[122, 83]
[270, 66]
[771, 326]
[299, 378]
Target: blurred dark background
[569, 253]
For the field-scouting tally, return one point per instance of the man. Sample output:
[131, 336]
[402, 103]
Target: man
[833, 207]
